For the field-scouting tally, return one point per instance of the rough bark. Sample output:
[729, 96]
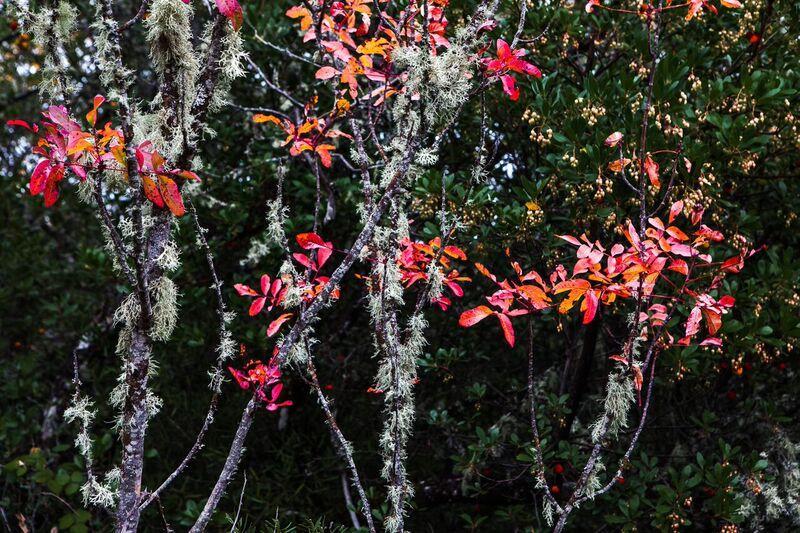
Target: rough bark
[228, 471]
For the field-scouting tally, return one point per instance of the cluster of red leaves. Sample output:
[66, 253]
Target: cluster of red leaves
[513, 298]
[415, 260]
[361, 47]
[63, 145]
[272, 293]
[264, 380]
[312, 133]
[664, 254]
[158, 183]
[507, 62]
[694, 7]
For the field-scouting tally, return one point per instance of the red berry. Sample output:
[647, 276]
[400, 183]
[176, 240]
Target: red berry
[731, 395]
[554, 489]
[558, 469]
[328, 387]
[748, 366]
[13, 25]
[621, 480]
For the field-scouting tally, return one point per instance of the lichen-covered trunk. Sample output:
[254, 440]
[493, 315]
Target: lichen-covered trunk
[134, 429]
[135, 409]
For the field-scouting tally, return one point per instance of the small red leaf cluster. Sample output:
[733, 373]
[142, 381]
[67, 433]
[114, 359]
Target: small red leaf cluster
[158, 183]
[263, 380]
[310, 135]
[508, 62]
[361, 43]
[63, 145]
[695, 7]
[513, 298]
[415, 259]
[272, 292]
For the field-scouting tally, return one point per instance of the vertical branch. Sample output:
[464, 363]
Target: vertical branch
[537, 443]
[344, 446]
[229, 469]
[222, 354]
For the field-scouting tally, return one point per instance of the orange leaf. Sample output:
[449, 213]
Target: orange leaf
[260, 118]
[455, 252]
[171, 195]
[651, 169]
[276, 324]
[151, 191]
[619, 164]
[91, 116]
[580, 285]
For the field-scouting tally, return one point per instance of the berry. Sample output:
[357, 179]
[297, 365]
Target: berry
[558, 469]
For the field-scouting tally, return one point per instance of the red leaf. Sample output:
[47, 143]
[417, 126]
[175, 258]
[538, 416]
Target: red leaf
[510, 87]
[151, 191]
[39, 177]
[51, 188]
[265, 283]
[244, 290]
[590, 301]
[257, 306]
[23, 124]
[570, 239]
[508, 329]
[276, 324]
[675, 210]
[232, 10]
[473, 316]
[304, 260]
[651, 169]
[323, 151]
[240, 378]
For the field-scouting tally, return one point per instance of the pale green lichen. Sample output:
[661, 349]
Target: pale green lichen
[593, 482]
[51, 30]
[169, 35]
[165, 308]
[616, 406]
[114, 76]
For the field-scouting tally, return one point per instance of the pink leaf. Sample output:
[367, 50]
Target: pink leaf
[326, 73]
[232, 11]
